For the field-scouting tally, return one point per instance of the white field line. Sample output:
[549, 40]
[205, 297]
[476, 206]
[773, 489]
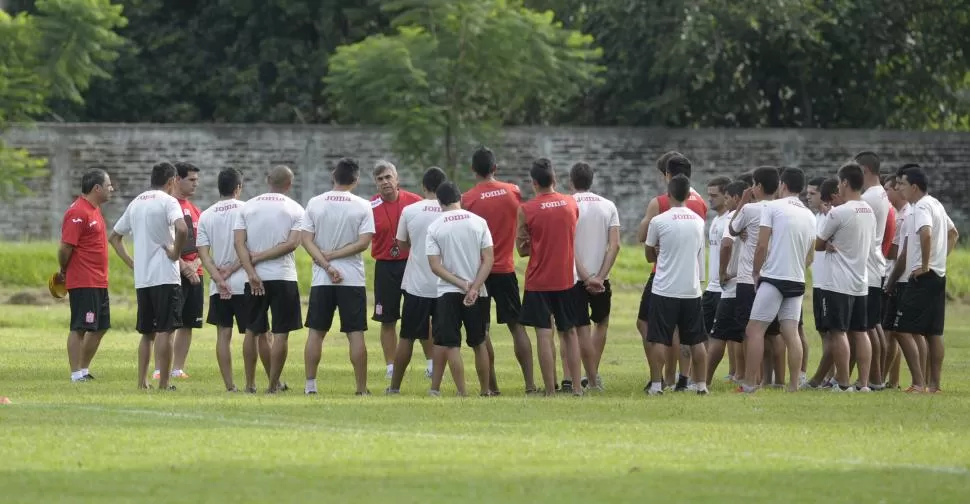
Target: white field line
[267, 421]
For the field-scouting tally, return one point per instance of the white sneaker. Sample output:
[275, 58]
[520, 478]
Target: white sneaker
[865, 389]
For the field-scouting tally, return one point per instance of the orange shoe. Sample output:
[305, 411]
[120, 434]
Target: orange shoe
[180, 374]
[913, 389]
[934, 391]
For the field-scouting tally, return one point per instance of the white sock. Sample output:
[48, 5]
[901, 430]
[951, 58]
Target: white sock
[76, 375]
[701, 387]
[84, 372]
[390, 368]
[311, 385]
[656, 386]
[430, 364]
[176, 372]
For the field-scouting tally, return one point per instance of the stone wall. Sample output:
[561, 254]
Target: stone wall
[623, 157]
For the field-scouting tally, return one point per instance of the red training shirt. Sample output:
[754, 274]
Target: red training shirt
[497, 203]
[551, 219]
[694, 202]
[887, 237]
[191, 212]
[387, 215]
[83, 228]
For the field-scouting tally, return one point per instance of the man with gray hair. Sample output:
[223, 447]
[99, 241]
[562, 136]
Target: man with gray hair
[391, 260]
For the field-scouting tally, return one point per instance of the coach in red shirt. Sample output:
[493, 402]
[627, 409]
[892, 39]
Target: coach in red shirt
[387, 206]
[83, 257]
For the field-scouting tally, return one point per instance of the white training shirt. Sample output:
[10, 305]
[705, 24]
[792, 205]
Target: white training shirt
[904, 231]
[928, 211]
[792, 237]
[215, 231]
[714, 235]
[878, 200]
[337, 219]
[850, 227]
[820, 261]
[679, 232]
[750, 221]
[459, 237]
[268, 220]
[729, 290]
[897, 238]
[596, 216]
[150, 220]
[416, 218]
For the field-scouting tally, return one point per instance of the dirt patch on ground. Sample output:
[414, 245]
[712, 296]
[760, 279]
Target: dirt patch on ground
[32, 298]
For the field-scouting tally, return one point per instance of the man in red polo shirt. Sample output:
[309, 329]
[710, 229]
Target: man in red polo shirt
[387, 206]
[83, 258]
[547, 235]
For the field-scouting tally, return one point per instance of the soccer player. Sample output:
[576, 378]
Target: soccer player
[903, 212]
[546, 235]
[498, 203]
[459, 250]
[786, 234]
[266, 233]
[848, 236]
[725, 332]
[922, 308]
[820, 192]
[155, 222]
[875, 195]
[387, 206]
[716, 191]
[599, 227]
[83, 260]
[420, 283]
[337, 228]
[675, 242]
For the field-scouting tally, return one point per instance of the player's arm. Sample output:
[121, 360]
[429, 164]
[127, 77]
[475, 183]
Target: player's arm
[727, 246]
[739, 219]
[653, 209]
[242, 252]
[401, 237]
[363, 241]
[925, 245]
[651, 243]
[210, 265]
[810, 257]
[761, 251]
[952, 235]
[488, 260]
[898, 268]
[612, 251]
[281, 249]
[64, 253]
[893, 252]
[118, 243]
[523, 244]
[438, 268]
[311, 247]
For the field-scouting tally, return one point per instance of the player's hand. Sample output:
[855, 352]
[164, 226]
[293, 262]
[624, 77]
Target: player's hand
[224, 291]
[193, 278]
[889, 288]
[471, 296]
[756, 277]
[747, 196]
[466, 286]
[255, 257]
[829, 247]
[743, 235]
[172, 254]
[594, 285]
[256, 285]
[61, 277]
[918, 272]
[334, 275]
[725, 278]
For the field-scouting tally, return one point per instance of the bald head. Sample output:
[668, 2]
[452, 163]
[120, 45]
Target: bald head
[280, 178]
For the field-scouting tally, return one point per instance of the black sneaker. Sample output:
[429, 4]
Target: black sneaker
[250, 390]
[88, 376]
[584, 382]
[171, 388]
[681, 384]
[566, 388]
[232, 389]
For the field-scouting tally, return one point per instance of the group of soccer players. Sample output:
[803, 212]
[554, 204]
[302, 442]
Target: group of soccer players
[443, 257]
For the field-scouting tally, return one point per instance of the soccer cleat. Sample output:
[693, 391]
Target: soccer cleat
[156, 375]
[584, 382]
[390, 391]
[934, 391]
[702, 392]
[865, 389]
[232, 389]
[250, 390]
[653, 391]
[89, 376]
[913, 389]
[434, 393]
[178, 373]
[566, 388]
[310, 392]
[427, 373]
[364, 393]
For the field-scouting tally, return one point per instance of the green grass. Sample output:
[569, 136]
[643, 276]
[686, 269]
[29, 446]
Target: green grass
[108, 442]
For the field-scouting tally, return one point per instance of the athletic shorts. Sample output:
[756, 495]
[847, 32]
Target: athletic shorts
[709, 303]
[892, 306]
[781, 299]
[503, 289]
[590, 308]
[875, 307]
[281, 300]
[842, 312]
[726, 326]
[90, 309]
[644, 311]
[744, 299]
[159, 309]
[193, 301]
[922, 308]
[223, 311]
[818, 301]
[388, 277]
[451, 314]
[668, 314]
[539, 306]
[417, 315]
[349, 302]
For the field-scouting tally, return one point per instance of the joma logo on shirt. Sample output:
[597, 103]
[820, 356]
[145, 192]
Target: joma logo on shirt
[685, 217]
[552, 204]
[587, 198]
[863, 210]
[335, 197]
[226, 208]
[431, 208]
[146, 197]
[492, 194]
[269, 198]
[452, 218]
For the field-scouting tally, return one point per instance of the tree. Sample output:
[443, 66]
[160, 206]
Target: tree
[54, 54]
[456, 70]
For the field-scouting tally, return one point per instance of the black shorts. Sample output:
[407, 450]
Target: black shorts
[842, 312]
[744, 300]
[668, 314]
[709, 303]
[875, 307]
[159, 309]
[591, 307]
[388, 277]
[922, 308]
[451, 314]
[193, 301]
[281, 300]
[503, 288]
[818, 301]
[90, 309]
[416, 316]
[644, 312]
[726, 326]
[349, 302]
[539, 306]
[892, 306]
[222, 312]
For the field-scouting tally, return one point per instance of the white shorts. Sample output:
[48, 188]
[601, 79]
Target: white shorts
[770, 304]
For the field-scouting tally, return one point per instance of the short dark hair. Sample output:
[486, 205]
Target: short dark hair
[794, 179]
[767, 177]
[678, 164]
[483, 161]
[581, 176]
[183, 169]
[868, 160]
[229, 179]
[720, 183]
[852, 173]
[678, 188]
[93, 178]
[433, 178]
[161, 174]
[747, 178]
[816, 181]
[901, 169]
[346, 172]
[662, 161]
[542, 172]
[448, 193]
[828, 188]
[736, 188]
[917, 177]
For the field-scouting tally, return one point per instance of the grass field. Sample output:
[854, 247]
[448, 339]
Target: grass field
[105, 441]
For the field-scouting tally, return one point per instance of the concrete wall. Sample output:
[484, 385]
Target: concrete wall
[623, 157]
